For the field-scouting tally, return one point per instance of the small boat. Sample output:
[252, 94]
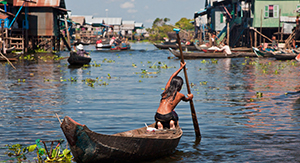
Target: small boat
[190, 55]
[175, 46]
[130, 146]
[262, 53]
[75, 59]
[123, 46]
[285, 56]
[234, 50]
[100, 45]
[212, 50]
[201, 47]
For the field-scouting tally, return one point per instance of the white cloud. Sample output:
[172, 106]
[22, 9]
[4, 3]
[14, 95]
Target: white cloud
[146, 7]
[131, 11]
[149, 20]
[127, 5]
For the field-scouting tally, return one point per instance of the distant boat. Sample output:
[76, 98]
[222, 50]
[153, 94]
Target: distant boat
[262, 53]
[190, 55]
[129, 146]
[122, 46]
[76, 59]
[100, 45]
[175, 46]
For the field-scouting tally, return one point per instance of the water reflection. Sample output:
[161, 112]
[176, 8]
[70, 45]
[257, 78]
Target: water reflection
[236, 125]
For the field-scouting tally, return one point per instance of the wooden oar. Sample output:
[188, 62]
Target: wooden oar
[193, 112]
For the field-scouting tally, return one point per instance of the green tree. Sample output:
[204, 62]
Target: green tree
[185, 24]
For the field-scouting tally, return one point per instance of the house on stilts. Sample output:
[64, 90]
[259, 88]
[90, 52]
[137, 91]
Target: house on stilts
[34, 24]
[247, 23]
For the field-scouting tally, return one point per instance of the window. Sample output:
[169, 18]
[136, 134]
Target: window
[271, 11]
[221, 18]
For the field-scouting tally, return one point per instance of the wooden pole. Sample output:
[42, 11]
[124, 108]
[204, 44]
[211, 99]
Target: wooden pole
[251, 41]
[228, 34]
[67, 31]
[260, 26]
[209, 37]
[278, 26]
[193, 112]
[255, 39]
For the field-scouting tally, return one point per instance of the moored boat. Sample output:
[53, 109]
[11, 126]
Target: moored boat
[175, 46]
[285, 56]
[190, 55]
[76, 59]
[101, 45]
[130, 146]
[262, 53]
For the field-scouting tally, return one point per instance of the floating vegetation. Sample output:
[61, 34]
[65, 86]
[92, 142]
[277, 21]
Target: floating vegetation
[88, 81]
[21, 80]
[203, 83]
[133, 65]
[204, 61]
[96, 65]
[55, 154]
[108, 76]
[259, 94]
[29, 57]
[214, 61]
[108, 60]
[145, 73]
[159, 65]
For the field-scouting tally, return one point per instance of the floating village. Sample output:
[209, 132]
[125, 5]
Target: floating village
[259, 27]
[224, 30]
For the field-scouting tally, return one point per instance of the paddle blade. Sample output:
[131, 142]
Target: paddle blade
[176, 30]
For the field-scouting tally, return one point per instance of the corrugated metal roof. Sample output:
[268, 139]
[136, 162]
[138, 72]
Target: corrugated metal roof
[41, 3]
[88, 18]
[78, 19]
[139, 25]
[110, 21]
[127, 22]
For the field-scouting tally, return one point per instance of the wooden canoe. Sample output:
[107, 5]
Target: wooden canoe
[75, 59]
[121, 47]
[262, 53]
[190, 55]
[285, 56]
[130, 146]
[234, 50]
[175, 46]
[102, 46]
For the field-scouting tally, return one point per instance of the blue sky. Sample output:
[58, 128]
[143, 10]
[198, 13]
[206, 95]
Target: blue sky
[141, 11]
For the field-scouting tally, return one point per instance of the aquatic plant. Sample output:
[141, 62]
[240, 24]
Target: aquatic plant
[159, 65]
[56, 154]
[96, 65]
[203, 61]
[145, 73]
[21, 80]
[259, 94]
[203, 83]
[108, 60]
